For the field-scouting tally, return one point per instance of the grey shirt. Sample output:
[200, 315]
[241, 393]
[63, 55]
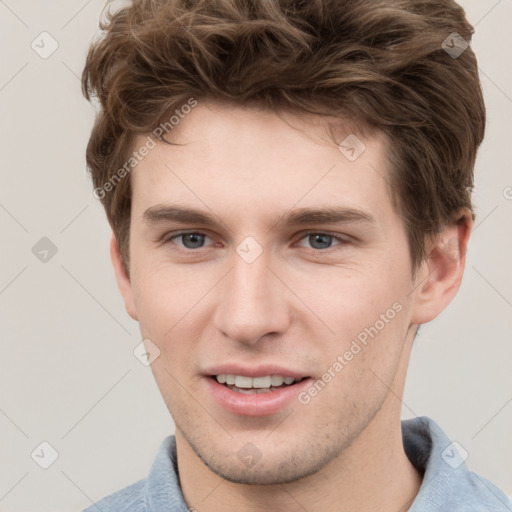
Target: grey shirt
[448, 485]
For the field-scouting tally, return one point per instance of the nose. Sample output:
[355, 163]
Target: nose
[252, 302]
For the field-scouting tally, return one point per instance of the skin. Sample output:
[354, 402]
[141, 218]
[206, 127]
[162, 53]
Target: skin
[299, 304]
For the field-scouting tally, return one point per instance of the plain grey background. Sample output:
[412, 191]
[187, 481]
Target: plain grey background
[68, 376]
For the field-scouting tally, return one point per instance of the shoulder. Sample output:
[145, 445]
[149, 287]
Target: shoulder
[448, 484]
[483, 495]
[160, 491]
[132, 498]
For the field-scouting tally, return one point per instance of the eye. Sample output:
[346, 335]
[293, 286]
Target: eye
[322, 241]
[191, 240]
[195, 240]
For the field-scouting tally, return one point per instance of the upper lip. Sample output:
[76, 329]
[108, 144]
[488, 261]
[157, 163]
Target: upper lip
[260, 370]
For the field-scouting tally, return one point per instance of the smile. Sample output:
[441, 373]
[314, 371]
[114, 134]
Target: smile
[259, 395]
[252, 385]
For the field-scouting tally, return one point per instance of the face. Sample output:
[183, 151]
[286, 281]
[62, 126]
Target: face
[262, 285]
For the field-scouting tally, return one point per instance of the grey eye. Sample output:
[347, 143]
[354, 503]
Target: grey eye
[192, 240]
[320, 241]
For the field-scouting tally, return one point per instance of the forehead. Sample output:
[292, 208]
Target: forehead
[255, 164]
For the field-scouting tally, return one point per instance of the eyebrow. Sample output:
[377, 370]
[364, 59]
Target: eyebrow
[298, 217]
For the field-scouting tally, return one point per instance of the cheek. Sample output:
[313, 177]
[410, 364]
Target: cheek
[368, 313]
[173, 310]
[163, 294]
[350, 300]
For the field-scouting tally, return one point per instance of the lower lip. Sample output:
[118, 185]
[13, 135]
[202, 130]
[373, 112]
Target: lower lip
[255, 404]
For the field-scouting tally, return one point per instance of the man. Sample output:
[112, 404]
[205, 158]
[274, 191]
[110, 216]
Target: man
[289, 188]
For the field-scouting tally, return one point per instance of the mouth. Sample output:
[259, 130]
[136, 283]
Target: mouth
[260, 389]
[256, 385]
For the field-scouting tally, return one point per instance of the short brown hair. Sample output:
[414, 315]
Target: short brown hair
[382, 65]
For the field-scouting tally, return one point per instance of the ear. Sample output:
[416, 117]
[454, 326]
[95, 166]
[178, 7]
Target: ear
[440, 274]
[123, 281]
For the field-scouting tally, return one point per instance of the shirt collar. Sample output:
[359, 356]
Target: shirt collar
[447, 482]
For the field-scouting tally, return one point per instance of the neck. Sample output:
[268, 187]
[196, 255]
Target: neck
[373, 474]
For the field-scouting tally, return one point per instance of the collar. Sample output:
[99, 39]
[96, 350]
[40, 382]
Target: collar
[447, 482]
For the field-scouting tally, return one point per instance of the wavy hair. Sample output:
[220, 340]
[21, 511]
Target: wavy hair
[382, 65]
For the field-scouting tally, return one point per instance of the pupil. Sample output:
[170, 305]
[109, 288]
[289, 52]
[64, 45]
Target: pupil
[314, 238]
[196, 238]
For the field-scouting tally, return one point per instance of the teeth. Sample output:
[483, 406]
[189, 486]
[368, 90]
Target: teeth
[262, 382]
[265, 382]
[277, 380]
[243, 382]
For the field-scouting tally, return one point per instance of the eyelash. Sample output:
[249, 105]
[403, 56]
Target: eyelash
[170, 237]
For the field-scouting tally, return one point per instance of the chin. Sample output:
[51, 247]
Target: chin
[269, 473]
[288, 461]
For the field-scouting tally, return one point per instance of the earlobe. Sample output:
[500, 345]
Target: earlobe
[441, 273]
[123, 281]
